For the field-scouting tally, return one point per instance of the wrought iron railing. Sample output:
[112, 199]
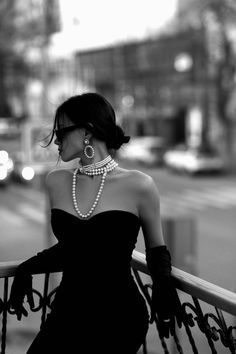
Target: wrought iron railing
[42, 298]
[199, 299]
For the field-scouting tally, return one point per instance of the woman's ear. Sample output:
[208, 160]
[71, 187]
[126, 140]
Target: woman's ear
[87, 134]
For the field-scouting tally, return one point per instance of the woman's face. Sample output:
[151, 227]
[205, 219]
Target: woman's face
[69, 140]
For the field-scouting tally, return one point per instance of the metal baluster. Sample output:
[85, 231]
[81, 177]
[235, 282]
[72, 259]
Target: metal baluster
[148, 298]
[190, 338]
[4, 317]
[204, 327]
[177, 343]
[226, 336]
[45, 293]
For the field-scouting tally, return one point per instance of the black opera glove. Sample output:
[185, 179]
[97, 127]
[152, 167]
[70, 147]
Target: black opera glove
[21, 287]
[45, 261]
[165, 303]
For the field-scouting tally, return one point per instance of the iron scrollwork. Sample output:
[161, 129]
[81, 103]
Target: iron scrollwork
[193, 315]
[42, 302]
[213, 326]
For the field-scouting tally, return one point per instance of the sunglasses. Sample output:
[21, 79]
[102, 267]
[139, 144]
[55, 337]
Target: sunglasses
[60, 133]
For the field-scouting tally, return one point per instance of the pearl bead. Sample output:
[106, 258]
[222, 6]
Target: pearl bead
[101, 167]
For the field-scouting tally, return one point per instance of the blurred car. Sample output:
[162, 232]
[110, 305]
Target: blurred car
[6, 167]
[23, 172]
[146, 150]
[194, 160]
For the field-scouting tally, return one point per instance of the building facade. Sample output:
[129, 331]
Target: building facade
[152, 83]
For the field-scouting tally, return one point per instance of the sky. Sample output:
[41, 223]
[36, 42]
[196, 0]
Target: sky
[94, 23]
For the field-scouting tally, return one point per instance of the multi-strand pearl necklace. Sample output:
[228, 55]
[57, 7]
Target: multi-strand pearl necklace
[98, 168]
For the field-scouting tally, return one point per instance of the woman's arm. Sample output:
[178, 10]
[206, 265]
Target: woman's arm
[149, 212]
[48, 260]
[166, 306]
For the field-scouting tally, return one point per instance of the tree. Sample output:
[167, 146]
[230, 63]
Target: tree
[31, 24]
[6, 44]
[216, 18]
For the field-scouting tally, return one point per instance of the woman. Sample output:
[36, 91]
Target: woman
[97, 210]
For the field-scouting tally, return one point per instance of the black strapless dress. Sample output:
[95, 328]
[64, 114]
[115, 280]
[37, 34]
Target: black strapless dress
[98, 306]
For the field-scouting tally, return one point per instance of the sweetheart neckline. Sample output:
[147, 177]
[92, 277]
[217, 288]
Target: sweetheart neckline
[102, 212]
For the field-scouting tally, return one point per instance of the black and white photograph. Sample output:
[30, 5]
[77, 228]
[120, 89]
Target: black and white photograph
[117, 177]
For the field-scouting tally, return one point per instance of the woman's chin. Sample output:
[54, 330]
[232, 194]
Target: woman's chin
[63, 157]
[67, 158]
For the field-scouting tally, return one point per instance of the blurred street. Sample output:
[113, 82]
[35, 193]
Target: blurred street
[22, 215]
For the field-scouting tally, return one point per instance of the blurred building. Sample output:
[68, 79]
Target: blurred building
[183, 6]
[153, 83]
[33, 24]
[61, 83]
[216, 19]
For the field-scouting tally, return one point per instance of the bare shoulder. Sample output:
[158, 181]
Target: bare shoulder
[145, 191]
[55, 177]
[148, 205]
[140, 182]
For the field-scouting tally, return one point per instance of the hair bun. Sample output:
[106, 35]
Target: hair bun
[118, 138]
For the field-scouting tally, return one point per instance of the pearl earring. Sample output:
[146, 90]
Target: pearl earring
[88, 149]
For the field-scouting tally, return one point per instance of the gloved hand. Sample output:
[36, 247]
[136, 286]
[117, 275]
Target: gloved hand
[165, 304]
[45, 261]
[21, 287]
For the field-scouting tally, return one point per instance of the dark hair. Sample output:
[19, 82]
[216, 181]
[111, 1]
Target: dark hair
[92, 111]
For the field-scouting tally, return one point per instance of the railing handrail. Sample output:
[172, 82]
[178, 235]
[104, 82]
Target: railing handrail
[188, 283]
[196, 287]
[7, 269]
